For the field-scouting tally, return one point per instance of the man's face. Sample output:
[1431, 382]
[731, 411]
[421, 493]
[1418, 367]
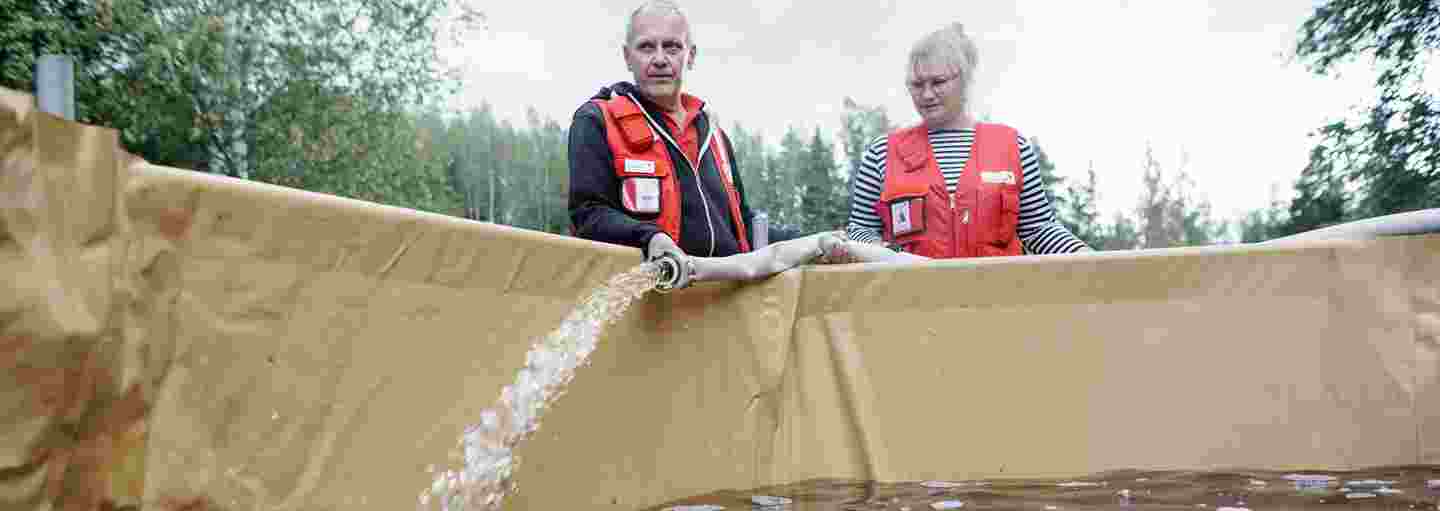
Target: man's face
[935, 91]
[658, 55]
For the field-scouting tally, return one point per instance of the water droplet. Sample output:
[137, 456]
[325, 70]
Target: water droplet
[1368, 483]
[1309, 478]
[769, 501]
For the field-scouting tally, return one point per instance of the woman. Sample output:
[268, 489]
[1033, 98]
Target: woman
[950, 187]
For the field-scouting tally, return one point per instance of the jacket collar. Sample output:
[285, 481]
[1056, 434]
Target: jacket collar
[692, 104]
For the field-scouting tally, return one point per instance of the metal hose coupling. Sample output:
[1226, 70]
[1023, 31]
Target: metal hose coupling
[675, 272]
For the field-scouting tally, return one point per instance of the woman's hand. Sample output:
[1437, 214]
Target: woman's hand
[821, 248]
[839, 249]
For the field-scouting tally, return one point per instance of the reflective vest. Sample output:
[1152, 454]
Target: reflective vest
[978, 220]
[648, 185]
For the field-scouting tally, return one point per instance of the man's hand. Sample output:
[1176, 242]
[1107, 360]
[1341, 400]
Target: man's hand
[661, 244]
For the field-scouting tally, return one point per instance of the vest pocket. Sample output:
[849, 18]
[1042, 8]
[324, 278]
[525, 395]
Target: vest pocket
[906, 216]
[1001, 203]
[636, 130]
[916, 220]
[641, 195]
[642, 184]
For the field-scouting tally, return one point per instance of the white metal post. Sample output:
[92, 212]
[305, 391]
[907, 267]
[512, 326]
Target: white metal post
[55, 85]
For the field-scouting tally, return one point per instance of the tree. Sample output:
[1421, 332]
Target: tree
[103, 40]
[756, 160]
[1076, 208]
[1121, 234]
[786, 167]
[269, 90]
[1263, 224]
[859, 125]
[475, 139]
[1392, 151]
[1169, 213]
[1320, 200]
[1046, 170]
[822, 193]
[1153, 209]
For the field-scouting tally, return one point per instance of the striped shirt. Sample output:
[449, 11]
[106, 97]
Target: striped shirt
[1039, 230]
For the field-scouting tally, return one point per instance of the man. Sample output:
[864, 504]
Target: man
[649, 165]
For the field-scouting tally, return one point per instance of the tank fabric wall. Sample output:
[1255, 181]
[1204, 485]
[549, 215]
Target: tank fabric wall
[172, 339]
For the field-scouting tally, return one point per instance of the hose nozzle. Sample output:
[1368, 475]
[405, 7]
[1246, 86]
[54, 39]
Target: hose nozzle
[675, 272]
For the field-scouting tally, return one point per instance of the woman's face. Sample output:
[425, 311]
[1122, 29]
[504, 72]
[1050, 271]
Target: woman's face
[935, 91]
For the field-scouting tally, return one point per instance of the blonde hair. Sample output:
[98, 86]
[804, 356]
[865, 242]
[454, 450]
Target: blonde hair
[954, 47]
[658, 7]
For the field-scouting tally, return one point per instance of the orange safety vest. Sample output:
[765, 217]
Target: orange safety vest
[648, 185]
[978, 220]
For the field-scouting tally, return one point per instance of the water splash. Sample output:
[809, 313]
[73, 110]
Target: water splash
[488, 447]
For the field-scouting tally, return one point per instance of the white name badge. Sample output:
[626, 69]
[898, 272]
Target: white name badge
[642, 195]
[998, 176]
[639, 166]
[900, 218]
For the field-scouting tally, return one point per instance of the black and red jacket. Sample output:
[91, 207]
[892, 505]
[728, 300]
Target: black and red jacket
[611, 198]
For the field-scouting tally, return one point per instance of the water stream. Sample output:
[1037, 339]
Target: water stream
[488, 446]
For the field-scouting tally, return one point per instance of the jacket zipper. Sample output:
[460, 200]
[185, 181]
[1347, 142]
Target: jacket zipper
[962, 227]
[699, 181]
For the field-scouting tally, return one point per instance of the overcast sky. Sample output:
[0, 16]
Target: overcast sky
[1093, 81]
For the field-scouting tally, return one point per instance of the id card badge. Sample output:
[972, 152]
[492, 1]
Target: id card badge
[907, 216]
[641, 195]
[639, 166]
[1004, 177]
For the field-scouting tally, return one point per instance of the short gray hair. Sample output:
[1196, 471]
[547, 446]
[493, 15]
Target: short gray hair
[951, 45]
[658, 7]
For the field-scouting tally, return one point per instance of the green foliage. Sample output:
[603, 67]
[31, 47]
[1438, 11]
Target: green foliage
[1076, 207]
[318, 94]
[824, 195]
[504, 174]
[859, 125]
[1263, 224]
[758, 170]
[1392, 151]
[1169, 214]
[1387, 158]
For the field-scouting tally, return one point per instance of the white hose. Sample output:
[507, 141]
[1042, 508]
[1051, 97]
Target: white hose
[821, 248]
[1425, 221]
